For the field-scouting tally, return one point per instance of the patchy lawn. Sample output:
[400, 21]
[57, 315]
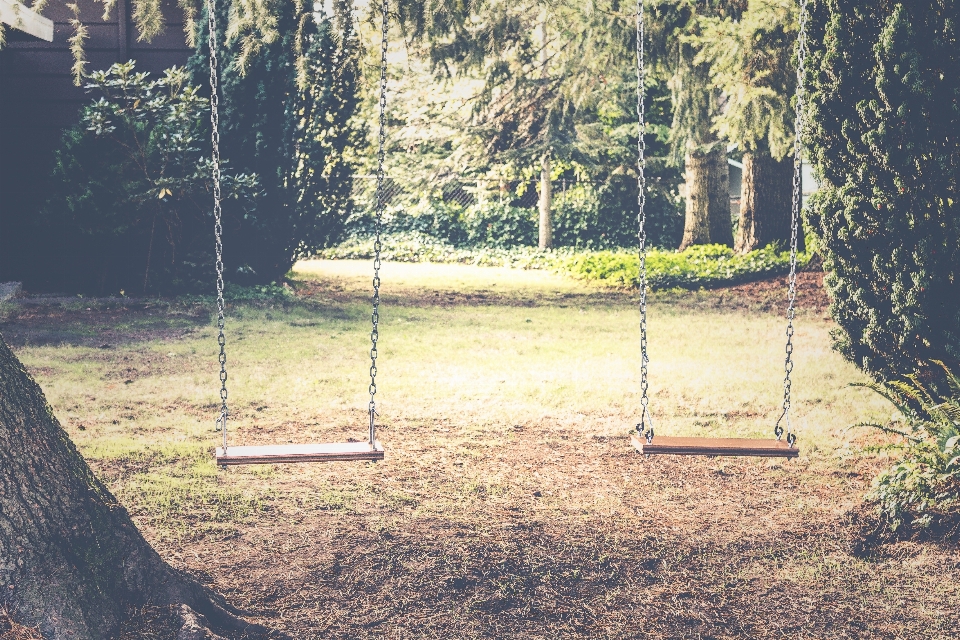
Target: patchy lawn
[510, 504]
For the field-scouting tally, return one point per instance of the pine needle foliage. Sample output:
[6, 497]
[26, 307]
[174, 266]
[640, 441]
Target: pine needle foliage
[675, 51]
[884, 98]
[751, 61]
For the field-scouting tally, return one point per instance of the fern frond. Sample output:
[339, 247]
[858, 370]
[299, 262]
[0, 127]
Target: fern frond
[887, 394]
[953, 380]
[885, 429]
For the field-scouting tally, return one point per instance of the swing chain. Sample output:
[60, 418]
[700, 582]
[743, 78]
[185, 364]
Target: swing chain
[642, 429]
[794, 225]
[217, 212]
[377, 244]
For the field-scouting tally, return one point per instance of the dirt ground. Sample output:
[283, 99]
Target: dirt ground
[698, 548]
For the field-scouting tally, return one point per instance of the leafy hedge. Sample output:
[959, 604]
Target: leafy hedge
[585, 216]
[698, 266]
[884, 89]
[416, 246]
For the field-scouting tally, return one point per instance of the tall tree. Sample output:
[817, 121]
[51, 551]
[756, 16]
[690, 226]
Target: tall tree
[289, 83]
[676, 26]
[884, 121]
[562, 98]
[525, 53]
[72, 563]
[750, 61]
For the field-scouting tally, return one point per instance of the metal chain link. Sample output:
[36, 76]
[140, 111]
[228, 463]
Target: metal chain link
[217, 225]
[778, 430]
[377, 245]
[645, 417]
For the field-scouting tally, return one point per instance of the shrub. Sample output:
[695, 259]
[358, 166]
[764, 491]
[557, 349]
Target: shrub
[922, 490]
[288, 119]
[604, 216]
[130, 187]
[585, 216]
[442, 221]
[414, 246]
[884, 94]
[698, 266]
[499, 225]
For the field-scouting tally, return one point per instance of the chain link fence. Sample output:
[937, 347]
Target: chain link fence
[460, 191]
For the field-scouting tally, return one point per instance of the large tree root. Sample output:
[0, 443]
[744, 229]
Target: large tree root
[72, 563]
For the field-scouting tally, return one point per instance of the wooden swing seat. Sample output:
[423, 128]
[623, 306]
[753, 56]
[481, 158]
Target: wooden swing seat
[327, 452]
[714, 447]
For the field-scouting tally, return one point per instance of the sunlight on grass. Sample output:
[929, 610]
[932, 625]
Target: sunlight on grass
[472, 353]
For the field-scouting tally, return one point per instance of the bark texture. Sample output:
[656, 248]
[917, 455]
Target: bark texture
[766, 203]
[707, 181]
[545, 239]
[72, 563]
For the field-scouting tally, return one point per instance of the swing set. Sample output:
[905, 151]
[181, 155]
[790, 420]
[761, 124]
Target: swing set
[643, 437]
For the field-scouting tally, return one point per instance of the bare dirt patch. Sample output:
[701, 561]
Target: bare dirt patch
[683, 548]
[42, 320]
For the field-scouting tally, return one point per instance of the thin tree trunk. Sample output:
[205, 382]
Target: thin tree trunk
[765, 203]
[545, 236]
[71, 561]
[721, 222]
[707, 181]
[546, 197]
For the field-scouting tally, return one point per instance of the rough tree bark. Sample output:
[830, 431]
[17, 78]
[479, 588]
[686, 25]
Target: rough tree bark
[72, 563]
[707, 179]
[545, 239]
[765, 203]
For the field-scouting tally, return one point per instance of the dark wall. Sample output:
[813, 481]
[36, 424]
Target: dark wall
[38, 100]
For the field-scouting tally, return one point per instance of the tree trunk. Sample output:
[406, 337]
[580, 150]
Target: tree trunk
[707, 182]
[546, 197]
[765, 203]
[72, 563]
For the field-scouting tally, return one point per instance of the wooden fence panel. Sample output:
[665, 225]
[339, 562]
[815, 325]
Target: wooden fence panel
[38, 100]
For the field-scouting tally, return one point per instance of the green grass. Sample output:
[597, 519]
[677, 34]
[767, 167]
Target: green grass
[469, 353]
[510, 503]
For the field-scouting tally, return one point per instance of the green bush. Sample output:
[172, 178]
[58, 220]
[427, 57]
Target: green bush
[585, 216]
[289, 120]
[697, 266]
[922, 490]
[415, 246]
[574, 218]
[127, 203]
[487, 224]
[884, 94]
[500, 226]
[440, 220]
[604, 215]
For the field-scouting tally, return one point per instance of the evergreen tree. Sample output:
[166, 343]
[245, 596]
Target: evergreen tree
[288, 96]
[751, 61]
[675, 26]
[554, 80]
[885, 138]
